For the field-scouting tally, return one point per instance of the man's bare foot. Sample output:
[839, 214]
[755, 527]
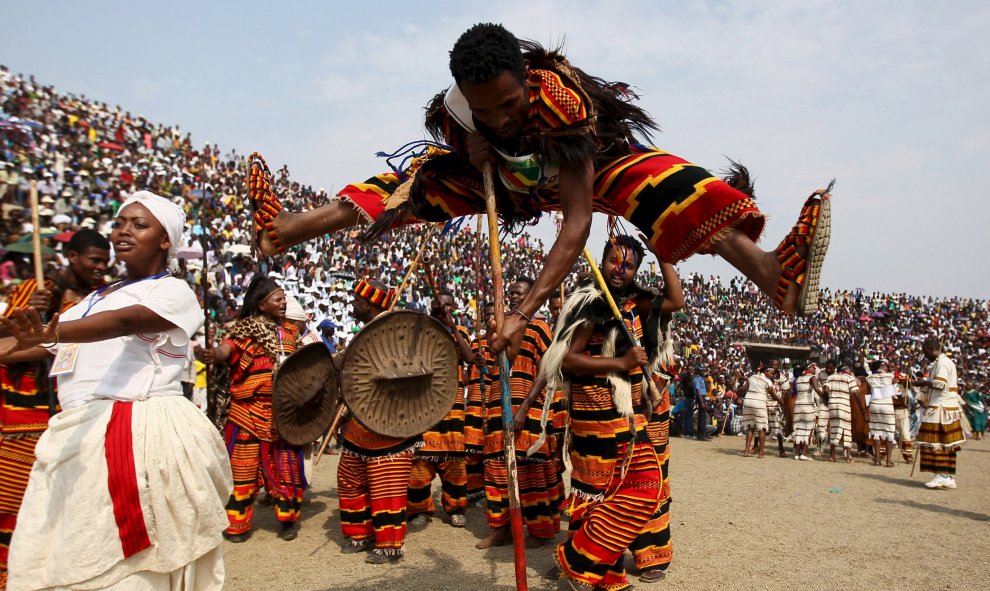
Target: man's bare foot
[500, 536]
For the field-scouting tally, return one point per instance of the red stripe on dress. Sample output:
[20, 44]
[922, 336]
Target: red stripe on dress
[122, 481]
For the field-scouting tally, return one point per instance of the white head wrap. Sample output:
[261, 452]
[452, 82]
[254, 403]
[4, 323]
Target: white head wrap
[170, 215]
[293, 309]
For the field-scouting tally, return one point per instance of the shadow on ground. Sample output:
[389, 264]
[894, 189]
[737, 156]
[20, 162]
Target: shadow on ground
[937, 509]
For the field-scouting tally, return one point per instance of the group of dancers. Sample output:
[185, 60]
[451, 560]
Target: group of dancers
[151, 488]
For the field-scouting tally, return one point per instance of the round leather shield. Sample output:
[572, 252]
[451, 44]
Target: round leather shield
[399, 375]
[305, 394]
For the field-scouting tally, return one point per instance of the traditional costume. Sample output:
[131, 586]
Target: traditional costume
[755, 403]
[143, 471]
[474, 424]
[373, 474]
[841, 387]
[442, 453]
[805, 407]
[616, 478]
[24, 411]
[653, 548]
[941, 435]
[882, 392]
[573, 118]
[902, 417]
[540, 488]
[258, 455]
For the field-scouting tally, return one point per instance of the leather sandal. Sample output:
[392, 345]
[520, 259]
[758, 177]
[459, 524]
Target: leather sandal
[265, 205]
[812, 230]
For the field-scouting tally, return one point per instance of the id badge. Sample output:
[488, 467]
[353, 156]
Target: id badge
[65, 361]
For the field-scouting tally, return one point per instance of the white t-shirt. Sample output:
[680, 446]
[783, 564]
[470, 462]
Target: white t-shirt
[138, 366]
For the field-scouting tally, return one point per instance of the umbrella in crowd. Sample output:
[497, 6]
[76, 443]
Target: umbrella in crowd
[190, 252]
[238, 249]
[25, 247]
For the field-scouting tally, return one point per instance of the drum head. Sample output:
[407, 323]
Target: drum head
[399, 376]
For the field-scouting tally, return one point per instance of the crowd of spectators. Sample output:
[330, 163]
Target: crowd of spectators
[87, 155]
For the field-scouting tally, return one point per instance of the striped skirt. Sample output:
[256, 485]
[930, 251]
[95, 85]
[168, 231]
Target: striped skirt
[373, 496]
[805, 420]
[600, 531]
[882, 423]
[839, 420]
[680, 206]
[16, 459]
[755, 415]
[821, 425]
[540, 494]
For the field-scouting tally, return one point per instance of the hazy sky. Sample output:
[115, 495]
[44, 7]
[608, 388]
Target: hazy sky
[889, 97]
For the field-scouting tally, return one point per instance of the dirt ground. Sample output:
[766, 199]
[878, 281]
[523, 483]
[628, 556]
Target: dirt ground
[738, 523]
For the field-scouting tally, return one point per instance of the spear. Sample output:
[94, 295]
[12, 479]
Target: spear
[498, 294]
[211, 402]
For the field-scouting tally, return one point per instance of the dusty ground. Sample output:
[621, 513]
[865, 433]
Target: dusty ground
[738, 523]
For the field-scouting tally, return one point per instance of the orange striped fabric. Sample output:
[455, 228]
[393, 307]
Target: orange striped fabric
[23, 406]
[453, 485]
[446, 438]
[16, 460]
[597, 428]
[524, 370]
[251, 384]
[373, 499]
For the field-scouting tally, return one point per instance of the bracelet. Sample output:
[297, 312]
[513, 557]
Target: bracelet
[50, 345]
[516, 311]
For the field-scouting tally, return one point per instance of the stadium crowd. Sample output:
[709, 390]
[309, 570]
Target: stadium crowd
[87, 156]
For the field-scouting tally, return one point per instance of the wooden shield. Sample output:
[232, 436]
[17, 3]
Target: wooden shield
[305, 394]
[399, 375]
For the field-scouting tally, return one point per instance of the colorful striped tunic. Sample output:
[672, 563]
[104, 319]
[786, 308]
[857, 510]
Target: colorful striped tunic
[680, 206]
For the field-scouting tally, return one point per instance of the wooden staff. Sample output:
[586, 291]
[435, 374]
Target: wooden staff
[39, 277]
[431, 279]
[479, 313]
[334, 424]
[413, 266]
[39, 270]
[654, 392]
[211, 401]
[505, 370]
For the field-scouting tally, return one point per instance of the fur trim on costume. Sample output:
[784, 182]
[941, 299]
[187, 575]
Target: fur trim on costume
[621, 386]
[587, 304]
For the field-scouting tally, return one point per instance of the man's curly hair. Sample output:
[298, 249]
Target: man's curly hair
[483, 52]
[627, 242]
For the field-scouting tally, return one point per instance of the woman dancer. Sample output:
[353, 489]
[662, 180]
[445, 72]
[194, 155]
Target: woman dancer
[139, 470]
[254, 347]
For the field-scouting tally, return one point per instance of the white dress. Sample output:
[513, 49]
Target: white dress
[755, 403]
[882, 392]
[130, 482]
[805, 410]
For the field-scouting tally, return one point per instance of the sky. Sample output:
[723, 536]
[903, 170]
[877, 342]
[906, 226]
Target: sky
[888, 97]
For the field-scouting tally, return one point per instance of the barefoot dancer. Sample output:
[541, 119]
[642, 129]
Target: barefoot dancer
[559, 140]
